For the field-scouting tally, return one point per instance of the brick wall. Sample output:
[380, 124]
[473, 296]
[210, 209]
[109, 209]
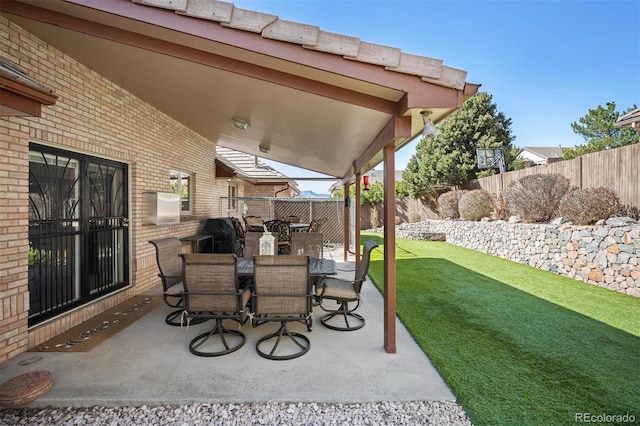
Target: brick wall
[92, 116]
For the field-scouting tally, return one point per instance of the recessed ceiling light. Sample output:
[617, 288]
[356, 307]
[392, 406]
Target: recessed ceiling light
[240, 124]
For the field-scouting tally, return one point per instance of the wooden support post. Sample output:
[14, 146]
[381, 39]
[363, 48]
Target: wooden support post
[347, 225]
[357, 224]
[389, 249]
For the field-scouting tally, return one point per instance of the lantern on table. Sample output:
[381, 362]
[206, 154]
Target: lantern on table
[267, 243]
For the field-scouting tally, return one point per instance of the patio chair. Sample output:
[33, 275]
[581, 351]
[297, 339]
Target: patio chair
[168, 252]
[307, 244]
[316, 225]
[212, 291]
[237, 227]
[344, 292]
[282, 293]
[291, 219]
[252, 244]
[253, 223]
[281, 230]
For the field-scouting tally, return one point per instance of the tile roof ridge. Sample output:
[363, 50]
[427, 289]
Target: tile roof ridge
[430, 70]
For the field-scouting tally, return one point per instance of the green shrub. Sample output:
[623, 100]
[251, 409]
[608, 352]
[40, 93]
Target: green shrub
[535, 198]
[586, 206]
[475, 204]
[448, 204]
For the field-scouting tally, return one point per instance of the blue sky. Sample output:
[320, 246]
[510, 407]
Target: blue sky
[545, 62]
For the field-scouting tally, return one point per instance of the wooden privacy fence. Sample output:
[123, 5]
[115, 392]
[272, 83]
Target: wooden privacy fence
[306, 209]
[615, 168]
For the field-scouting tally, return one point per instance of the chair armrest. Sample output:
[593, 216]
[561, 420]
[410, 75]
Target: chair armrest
[169, 276]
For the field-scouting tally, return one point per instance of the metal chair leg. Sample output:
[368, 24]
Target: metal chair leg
[346, 314]
[300, 340]
[220, 332]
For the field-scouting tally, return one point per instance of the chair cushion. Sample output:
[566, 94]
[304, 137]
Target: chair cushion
[335, 288]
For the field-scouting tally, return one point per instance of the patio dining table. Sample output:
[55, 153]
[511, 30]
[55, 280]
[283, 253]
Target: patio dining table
[299, 227]
[317, 267]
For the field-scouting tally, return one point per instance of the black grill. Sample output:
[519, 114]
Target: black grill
[224, 236]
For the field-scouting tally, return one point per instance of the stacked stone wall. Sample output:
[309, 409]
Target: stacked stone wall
[605, 255]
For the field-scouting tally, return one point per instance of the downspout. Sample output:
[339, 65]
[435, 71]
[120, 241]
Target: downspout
[286, 187]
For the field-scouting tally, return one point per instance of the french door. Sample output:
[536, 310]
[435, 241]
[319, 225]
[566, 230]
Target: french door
[78, 239]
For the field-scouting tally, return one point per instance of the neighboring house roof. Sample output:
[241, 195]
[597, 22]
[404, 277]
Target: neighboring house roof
[541, 155]
[249, 168]
[21, 95]
[630, 119]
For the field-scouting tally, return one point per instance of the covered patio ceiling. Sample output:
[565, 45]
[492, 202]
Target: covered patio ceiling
[316, 100]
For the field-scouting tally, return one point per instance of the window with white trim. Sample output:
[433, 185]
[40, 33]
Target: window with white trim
[180, 183]
[233, 194]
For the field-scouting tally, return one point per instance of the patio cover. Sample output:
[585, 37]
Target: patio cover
[326, 102]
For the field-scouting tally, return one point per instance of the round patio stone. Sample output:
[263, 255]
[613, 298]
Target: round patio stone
[25, 388]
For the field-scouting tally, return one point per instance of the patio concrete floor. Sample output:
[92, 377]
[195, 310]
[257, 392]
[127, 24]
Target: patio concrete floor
[149, 363]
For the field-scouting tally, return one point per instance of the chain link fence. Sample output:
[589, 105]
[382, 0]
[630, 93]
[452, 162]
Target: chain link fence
[307, 209]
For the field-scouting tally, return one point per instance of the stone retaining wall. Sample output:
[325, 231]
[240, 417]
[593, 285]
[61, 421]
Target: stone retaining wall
[605, 255]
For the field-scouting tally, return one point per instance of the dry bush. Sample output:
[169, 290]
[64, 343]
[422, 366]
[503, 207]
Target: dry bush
[448, 204]
[475, 204]
[535, 198]
[501, 208]
[586, 206]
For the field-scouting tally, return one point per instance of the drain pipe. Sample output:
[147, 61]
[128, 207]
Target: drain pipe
[286, 186]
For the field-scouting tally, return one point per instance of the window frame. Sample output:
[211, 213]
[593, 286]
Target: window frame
[181, 175]
[232, 194]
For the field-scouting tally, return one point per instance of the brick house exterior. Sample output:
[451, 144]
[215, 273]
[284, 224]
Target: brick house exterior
[92, 116]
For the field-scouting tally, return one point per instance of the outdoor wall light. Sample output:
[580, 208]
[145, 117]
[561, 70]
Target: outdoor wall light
[240, 124]
[264, 149]
[429, 128]
[365, 182]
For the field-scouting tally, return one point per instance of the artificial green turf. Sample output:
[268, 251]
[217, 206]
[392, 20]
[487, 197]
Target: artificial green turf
[517, 345]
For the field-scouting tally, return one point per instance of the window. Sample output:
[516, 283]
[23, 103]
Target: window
[180, 183]
[233, 194]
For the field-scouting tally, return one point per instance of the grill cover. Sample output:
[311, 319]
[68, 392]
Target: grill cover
[224, 235]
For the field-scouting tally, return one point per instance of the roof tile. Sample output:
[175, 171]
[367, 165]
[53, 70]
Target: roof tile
[292, 32]
[219, 11]
[249, 20]
[431, 70]
[337, 44]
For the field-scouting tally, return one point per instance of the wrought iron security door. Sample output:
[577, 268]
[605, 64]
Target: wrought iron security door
[77, 230]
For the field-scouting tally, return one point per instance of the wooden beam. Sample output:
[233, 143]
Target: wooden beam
[389, 249]
[396, 127]
[209, 59]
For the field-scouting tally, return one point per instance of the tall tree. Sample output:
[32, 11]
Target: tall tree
[450, 158]
[598, 130]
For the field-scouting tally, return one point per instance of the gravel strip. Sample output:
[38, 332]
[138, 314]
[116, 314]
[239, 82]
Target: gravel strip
[273, 413]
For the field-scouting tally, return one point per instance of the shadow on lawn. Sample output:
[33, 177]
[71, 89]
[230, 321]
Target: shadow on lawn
[509, 356]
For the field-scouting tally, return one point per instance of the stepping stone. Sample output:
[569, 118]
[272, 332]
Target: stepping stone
[25, 388]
